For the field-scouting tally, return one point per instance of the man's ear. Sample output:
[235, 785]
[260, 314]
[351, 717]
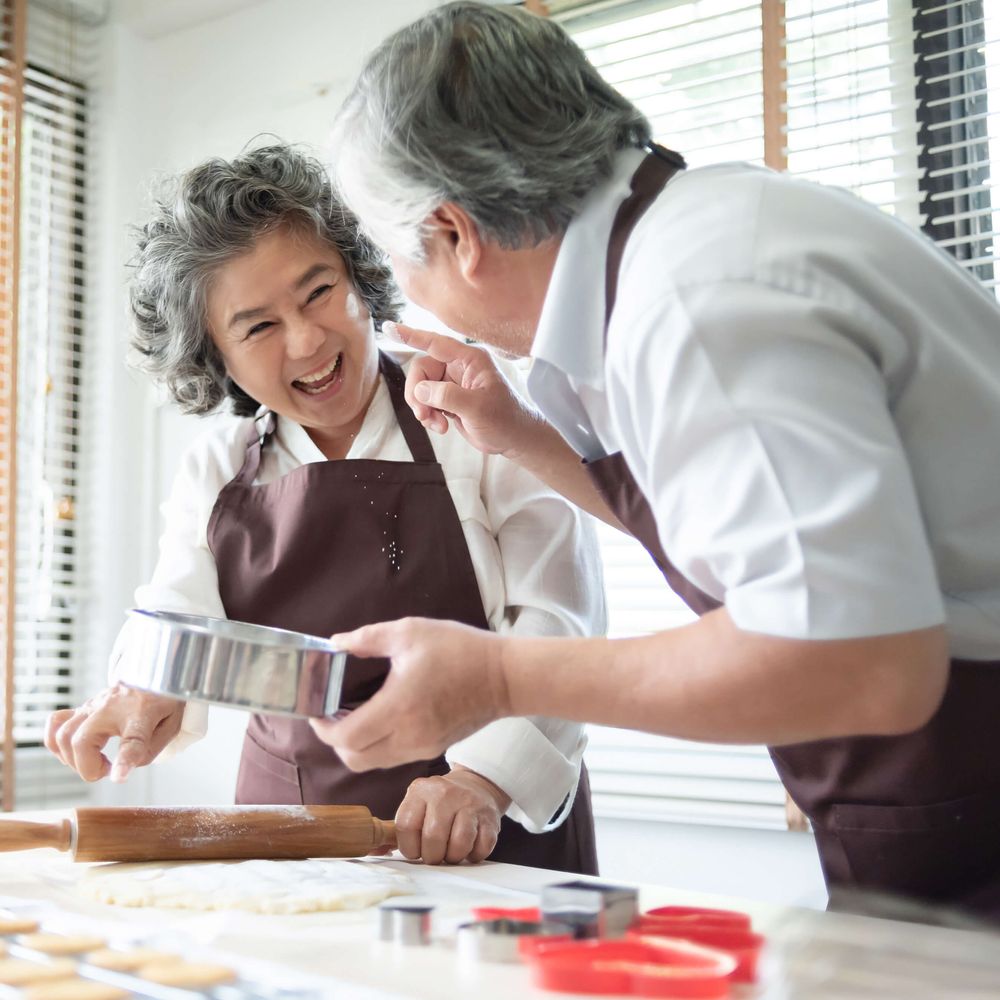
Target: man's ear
[459, 237]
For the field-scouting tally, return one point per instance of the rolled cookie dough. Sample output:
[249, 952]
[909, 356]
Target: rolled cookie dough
[258, 886]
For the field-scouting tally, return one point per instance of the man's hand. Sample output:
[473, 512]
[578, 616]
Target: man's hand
[460, 383]
[446, 682]
[451, 818]
[145, 724]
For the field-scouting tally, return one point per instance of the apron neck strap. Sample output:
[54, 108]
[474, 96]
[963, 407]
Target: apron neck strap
[261, 429]
[414, 432]
[647, 182]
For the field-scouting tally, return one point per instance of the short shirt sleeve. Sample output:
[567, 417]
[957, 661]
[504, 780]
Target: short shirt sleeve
[760, 428]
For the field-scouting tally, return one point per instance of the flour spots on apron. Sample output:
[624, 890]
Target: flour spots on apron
[391, 548]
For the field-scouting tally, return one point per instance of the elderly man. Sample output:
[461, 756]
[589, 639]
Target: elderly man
[789, 398]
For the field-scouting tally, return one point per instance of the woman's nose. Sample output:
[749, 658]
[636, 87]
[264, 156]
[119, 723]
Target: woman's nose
[303, 339]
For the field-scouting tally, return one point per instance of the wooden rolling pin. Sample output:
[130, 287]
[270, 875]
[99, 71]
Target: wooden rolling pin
[193, 833]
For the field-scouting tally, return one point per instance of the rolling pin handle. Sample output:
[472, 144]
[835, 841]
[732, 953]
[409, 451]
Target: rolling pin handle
[384, 833]
[24, 835]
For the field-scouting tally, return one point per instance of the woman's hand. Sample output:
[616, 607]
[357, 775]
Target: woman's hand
[461, 383]
[452, 818]
[145, 723]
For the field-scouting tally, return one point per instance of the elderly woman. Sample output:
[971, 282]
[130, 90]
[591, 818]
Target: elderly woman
[326, 506]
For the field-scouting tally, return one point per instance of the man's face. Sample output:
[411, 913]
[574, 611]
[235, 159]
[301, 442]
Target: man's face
[425, 284]
[494, 308]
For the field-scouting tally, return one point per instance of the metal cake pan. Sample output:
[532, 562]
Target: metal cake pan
[222, 662]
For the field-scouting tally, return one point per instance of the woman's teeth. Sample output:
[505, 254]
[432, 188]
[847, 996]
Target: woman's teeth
[319, 381]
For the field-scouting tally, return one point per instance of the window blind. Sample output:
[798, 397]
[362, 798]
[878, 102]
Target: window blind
[54, 162]
[694, 68]
[851, 99]
[896, 101]
[958, 83]
[899, 103]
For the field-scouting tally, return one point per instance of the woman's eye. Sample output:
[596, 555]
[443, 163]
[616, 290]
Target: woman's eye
[258, 328]
[317, 292]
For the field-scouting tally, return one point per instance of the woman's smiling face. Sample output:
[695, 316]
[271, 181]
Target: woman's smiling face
[295, 335]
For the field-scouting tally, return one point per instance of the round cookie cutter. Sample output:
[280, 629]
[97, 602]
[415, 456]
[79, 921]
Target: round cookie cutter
[405, 922]
[236, 664]
[503, 939]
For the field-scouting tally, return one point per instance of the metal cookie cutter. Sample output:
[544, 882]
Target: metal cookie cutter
[405, 922]
[594, 909]
[236, 664]
[502, 940]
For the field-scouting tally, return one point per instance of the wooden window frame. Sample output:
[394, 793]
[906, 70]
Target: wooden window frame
[15, 17]
[775, 79]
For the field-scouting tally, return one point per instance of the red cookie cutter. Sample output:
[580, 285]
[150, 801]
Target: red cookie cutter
[532, 913]
[701, 916]
[650, 967]
[725, 930]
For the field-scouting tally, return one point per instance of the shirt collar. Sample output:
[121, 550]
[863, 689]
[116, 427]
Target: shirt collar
[570, 333]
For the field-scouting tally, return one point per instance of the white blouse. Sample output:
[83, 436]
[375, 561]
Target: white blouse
[535, 557]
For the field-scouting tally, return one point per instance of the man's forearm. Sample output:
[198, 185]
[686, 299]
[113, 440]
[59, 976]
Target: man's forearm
[709, 681]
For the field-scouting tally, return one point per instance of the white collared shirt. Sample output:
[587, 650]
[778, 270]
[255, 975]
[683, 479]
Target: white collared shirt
[806, 391]
[535, 557]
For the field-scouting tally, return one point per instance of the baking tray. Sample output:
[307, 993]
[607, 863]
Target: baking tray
[236, 664]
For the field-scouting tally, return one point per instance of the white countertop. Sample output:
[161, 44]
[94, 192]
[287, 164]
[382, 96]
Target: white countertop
[341, 947]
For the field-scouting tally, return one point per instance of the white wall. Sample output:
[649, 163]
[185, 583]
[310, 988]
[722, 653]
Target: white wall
[173, 98]
[170, 98]
[119, 484]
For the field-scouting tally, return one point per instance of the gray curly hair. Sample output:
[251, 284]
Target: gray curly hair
[205, 218]
[491, 108]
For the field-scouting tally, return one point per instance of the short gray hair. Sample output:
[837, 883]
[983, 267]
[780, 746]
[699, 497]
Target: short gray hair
[204, 219]
[491, 108]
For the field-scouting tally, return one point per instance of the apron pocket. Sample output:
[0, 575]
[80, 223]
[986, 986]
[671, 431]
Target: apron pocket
[943, 851]
[265, 779]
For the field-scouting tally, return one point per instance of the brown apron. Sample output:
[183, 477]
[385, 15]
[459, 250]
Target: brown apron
[336, 545]
[916, 815]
